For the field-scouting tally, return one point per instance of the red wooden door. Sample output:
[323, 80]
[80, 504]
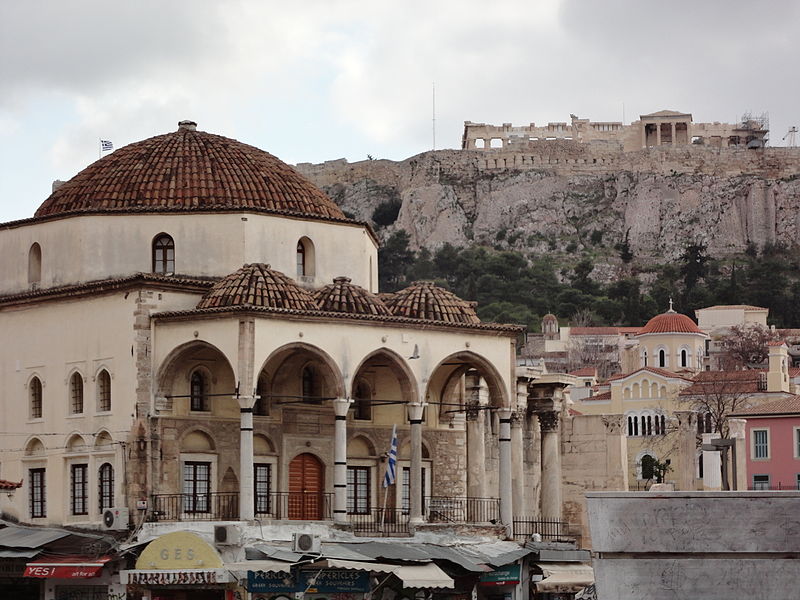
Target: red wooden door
[306, 487]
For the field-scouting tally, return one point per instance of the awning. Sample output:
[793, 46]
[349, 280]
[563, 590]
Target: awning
[564, 577]
[424, 576]
[335, 563]
[15, 553]
[268, 566]
[67, 567]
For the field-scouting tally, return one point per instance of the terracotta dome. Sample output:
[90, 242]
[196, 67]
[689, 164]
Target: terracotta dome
[670, 322]
[345, 297]
[189, 170]
[424, 300]
[258, 285]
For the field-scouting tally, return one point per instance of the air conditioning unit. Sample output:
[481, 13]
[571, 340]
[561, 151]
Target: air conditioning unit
[115, 518]
[227, 535]
[305, 543]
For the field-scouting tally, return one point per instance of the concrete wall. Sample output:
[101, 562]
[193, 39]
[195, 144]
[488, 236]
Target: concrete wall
[709, 545]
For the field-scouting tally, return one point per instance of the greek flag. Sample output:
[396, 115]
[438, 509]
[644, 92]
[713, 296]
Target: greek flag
[391, 463]
[106, 146]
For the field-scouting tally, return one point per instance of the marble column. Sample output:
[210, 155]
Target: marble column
[518, 462]
[533, 491]
[506, 497]
[415, 413]
[551, 464]
[340, 408]
[674, 141]
[247, 503]
[687, 423]
[477, 400]
[658, 134]
[712, 466]
[616, 452]
[737, 427]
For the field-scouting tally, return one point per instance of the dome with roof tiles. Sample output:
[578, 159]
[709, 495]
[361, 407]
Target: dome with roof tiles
[189, 170]
[424, 300]
[345, 297]
[259, 286]
[670, 322]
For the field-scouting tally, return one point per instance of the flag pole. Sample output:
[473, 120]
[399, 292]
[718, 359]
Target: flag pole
[99, 148]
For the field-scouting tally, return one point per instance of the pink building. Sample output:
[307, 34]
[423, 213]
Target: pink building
[773, 444]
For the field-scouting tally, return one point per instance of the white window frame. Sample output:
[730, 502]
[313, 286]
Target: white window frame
[796, 440]
[753, 443]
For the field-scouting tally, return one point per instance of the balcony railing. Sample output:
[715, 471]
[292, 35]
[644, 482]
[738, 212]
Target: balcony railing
[224, 506]
[446, 509]
[549, 529]
[380, 522]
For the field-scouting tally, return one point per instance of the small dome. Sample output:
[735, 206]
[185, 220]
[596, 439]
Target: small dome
[345, 297]
[670, 322]
[189, 170]
[258, 285]
[424, 300]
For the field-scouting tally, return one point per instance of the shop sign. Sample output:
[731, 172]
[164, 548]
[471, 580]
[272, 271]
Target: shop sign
[153, 578]
[505, 576]
[330, 581]
[179, 550]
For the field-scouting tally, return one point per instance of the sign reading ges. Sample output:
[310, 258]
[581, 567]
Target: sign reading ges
[179, 550]
[330, 581]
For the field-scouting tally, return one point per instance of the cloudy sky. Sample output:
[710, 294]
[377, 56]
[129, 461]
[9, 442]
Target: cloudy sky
[317, 80]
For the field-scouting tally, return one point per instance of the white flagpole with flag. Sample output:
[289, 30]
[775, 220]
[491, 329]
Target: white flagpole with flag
[391, 470]
[105, 146]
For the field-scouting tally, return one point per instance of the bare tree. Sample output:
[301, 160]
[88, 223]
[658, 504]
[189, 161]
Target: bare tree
[715, 395]
[745, 346]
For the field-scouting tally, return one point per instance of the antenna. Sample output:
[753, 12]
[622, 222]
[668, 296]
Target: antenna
[434, 114]
[791, 135]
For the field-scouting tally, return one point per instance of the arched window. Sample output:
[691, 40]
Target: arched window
[261, 407]
[76, 394]
[635, 425]
[684, 357]
[305, 258]
[105, 482]
[199, 391]
[644, 425]
[35, 264]
[663, 425]
[103, 391]
[649, 425]
[662, 358]
[648, 467]
[163, 254]
[709, 424]
[363, 402]
[644, 358]
[35, 395]
[657, 425]
[630, 426]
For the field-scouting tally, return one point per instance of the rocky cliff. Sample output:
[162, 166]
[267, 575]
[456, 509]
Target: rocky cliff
[569, 197]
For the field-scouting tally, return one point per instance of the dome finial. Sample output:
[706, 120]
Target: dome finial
[670, 306]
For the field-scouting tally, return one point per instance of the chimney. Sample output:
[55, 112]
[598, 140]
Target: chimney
[57, 184]
[186, 124]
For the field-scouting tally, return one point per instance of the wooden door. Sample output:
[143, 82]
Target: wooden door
[306, 486]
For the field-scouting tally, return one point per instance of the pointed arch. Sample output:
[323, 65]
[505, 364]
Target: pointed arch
[498, 394]
[298, 354]
[398, 366]
[34, 264]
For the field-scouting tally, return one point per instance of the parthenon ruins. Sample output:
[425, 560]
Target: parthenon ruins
[662, 128]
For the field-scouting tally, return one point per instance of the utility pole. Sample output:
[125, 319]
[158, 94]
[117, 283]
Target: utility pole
[434, 115]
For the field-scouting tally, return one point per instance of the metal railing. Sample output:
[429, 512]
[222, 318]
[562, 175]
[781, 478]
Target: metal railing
[380, 522]
[216, 506]
[447, 509]
[224, 506]
[765, 487]
[549, 529]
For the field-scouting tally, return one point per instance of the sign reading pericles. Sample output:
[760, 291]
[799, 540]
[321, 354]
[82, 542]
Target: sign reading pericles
[328, 581]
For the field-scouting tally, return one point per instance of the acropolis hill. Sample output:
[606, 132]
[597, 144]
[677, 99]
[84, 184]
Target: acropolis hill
[683, 182]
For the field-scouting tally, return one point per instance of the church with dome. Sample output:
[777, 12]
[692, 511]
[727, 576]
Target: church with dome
[192, 331]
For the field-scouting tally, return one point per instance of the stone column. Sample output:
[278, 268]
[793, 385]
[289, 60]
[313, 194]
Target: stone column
[477, 394]
[737, 428]
[340, 408]
[658, 134]
[247, 503]
[674, 141]
[616, 451]
[687, 423]
[533, 492]
[644, 135]
[504, 487]
[517, 462]
[712, 466]
[415, 412]
[551, 465]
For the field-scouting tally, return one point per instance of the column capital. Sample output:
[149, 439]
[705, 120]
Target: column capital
[504, 413]
[245, 401]
[518, 417]
[613, 423]
[549, 420]
[472, 409]
[416, 410]
[687, 419]
[341, 406]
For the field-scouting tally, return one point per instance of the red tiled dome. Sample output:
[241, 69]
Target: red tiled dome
[424, 300]
[345, 297]
[257, 285]
[189, 170]
[670, 322]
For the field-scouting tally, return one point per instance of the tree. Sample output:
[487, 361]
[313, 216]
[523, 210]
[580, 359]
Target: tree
[746, 346]
[715, 395]
[394, 261]
[694, 261]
